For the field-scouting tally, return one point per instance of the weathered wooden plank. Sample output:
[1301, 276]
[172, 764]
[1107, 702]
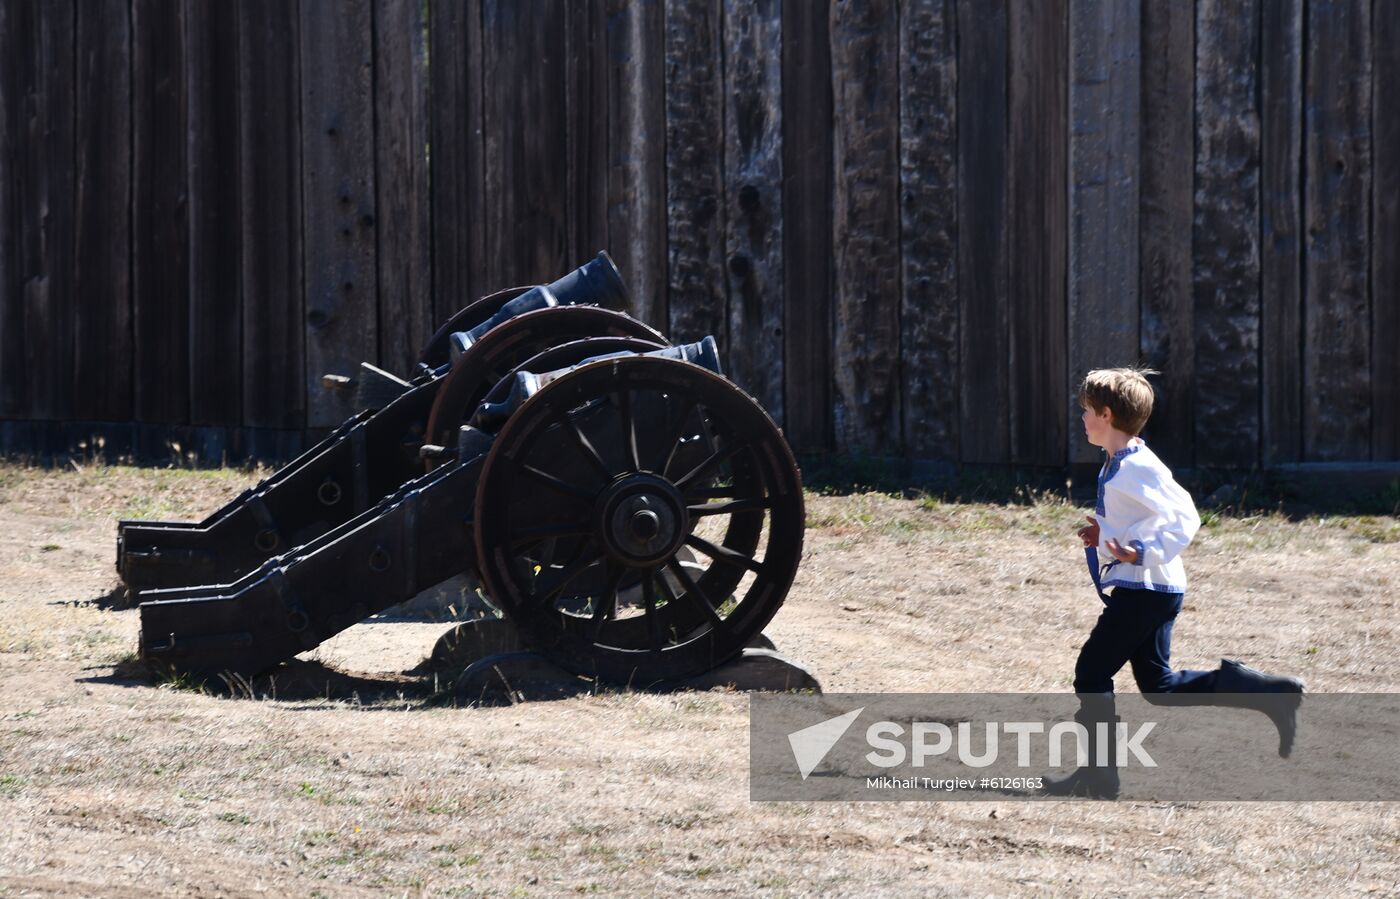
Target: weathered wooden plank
[753, 197]
[865, 222]
[1226, 229]
[1385, 234]
[526, 177]
[636, 152]
[216, 301]
[102, 326]
[159, 221]
[270, 237]
[1037, 222]
[405, 302]
[455, 55]
[338, 189]
[1280, 227]
[984, 428]
[14, 383]
[1337, 191]
[807, 231]
[586, 98]
[49, 290]
[928, 162]
[1168, 136]
[1105, 100]
[695, 156]
[43, 198]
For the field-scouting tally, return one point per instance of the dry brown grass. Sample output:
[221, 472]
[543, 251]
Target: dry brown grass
[112, 787]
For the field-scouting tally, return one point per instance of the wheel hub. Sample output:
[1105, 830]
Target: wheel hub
[642, 520]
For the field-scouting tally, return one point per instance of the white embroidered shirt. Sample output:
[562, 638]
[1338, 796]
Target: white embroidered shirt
[1142, 506]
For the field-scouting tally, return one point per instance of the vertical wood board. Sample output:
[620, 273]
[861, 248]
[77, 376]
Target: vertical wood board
[1280, 230]
[338, 190]
[1385, 235]
[807, 232]
[160, 213]
[928, 193]
[586, 101]
[526, 178]
[458, 208]
[865, 223]
[1167, 151]
[1337, 191]
[43, 197]
[695, 174]
[216, 310]
[637, 152]
[1226, 234]
[14, 384]
[1037, 239]
[270, 191]
[984, 429]
[406, 317]
[1105, 100]
[753, 197]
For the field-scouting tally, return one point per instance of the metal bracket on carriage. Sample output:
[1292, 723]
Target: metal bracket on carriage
[490, 416]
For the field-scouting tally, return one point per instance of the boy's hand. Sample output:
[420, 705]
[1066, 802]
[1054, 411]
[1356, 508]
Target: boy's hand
[1121, 552]
[1090, 534]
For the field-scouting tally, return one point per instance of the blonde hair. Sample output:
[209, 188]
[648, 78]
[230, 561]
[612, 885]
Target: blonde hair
[1124, 392]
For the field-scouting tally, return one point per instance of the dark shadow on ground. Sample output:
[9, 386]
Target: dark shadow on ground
[117, 599]
[489, 674]
[294, 681]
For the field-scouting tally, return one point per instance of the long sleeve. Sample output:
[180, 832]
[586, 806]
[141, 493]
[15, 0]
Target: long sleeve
[1171, 523]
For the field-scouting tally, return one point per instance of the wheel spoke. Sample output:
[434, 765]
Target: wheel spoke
[718, 457]
[629, 430]
[577, 565]
[653, 617]
[724, 554]
[695, 596]
[608, 607]
[676, 436]
[557, 484]
[750, 504]
[585, 445]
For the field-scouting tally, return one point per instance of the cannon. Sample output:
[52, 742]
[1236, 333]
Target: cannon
[637, 516]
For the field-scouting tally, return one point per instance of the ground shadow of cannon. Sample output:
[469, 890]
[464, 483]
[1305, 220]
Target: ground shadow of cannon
[481, 662]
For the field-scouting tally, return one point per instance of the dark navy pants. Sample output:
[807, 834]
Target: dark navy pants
[1135, 628]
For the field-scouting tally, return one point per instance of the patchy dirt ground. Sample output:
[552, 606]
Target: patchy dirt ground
[113, 787]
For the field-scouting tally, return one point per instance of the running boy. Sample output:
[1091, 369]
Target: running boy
[1143, 520]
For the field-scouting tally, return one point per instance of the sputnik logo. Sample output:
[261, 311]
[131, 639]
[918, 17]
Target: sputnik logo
[811, 744]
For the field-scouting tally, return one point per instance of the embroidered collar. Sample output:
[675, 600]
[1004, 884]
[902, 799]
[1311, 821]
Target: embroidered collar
[1133, 446]
[1110, 469]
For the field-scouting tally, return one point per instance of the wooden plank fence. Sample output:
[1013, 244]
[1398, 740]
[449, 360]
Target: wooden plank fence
[912, 224]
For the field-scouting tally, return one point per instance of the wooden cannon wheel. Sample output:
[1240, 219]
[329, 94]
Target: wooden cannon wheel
[648, 472]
